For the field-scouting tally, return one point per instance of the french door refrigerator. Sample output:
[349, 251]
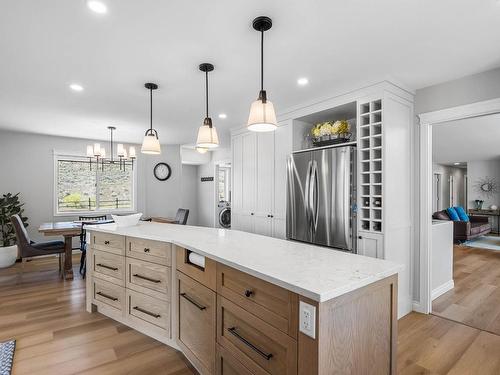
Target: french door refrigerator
[321, 197]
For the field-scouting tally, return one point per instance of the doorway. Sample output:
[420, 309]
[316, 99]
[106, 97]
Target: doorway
[223, 178]
[473, 296]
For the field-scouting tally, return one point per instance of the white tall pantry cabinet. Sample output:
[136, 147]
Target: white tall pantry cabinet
[259, 180]
[384, 121]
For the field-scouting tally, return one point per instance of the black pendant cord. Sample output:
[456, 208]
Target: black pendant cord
[111, 144]
[151, 110]
[206, 91]
[262, 61]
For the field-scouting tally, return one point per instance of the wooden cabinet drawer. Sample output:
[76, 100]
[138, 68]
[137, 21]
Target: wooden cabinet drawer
[152, 279]
[148, 309]
[151, 251]
[109, 267]
[205, 275]
[112, 243]
[110, 294]
[254, 342]
[227, 364]
[197, 317]
[275, 305]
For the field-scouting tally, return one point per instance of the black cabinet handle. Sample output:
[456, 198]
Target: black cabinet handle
[251, 213]
[186, 297]
[260, 352]
[146, 250]
[147, 312]
[248, 293]
[360, 237]
[107, 296]
[108, 267]
[146, 278]
[106, 242]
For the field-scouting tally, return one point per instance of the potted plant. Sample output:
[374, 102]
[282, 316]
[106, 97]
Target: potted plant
[9, 206]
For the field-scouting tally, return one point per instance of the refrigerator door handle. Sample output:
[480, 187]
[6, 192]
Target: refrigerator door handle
[307, 198]
[314, 201]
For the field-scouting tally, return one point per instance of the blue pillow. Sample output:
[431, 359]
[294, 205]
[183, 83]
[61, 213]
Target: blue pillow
[452, 213]
[461, 213]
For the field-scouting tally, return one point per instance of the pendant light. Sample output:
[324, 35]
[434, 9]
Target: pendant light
[151, 144]
[207, 134]
[262, 117]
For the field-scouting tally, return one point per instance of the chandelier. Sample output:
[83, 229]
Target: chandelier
[97, 154]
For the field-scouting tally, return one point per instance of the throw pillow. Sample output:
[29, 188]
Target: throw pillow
[452, 213]
[461, 213]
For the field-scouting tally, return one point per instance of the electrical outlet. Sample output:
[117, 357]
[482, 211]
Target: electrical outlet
[307, 319]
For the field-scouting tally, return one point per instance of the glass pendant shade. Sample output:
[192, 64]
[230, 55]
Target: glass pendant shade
[151, 145]
[207, 136]
[262, 117]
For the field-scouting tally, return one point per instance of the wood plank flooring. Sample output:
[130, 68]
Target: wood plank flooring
[475, 300]
[56, 336]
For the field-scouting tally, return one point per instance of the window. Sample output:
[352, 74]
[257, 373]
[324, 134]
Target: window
[81, 188]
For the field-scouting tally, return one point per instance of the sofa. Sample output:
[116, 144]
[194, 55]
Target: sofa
[466, 230]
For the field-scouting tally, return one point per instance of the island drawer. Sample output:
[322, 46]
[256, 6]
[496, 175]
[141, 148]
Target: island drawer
[273, 304]
[253, 341]
[110, 294]
[205, 275]
[149, 278]
[108, 266]
[151, 251]
[227, 364]
[148, 309]
[112, 243]
[197, 318]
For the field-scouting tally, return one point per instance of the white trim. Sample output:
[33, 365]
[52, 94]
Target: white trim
[442, 289]
[426, 121]
[417, 307]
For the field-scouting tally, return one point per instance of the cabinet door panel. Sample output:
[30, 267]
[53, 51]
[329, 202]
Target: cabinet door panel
[263, 225]
[249, 164]
[237, 174]
[265, 174]
[371, 245]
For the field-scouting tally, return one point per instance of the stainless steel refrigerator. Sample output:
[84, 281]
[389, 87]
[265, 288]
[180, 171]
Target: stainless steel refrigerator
[321, 197]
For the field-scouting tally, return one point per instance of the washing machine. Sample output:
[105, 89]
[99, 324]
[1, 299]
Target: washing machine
[224, 208]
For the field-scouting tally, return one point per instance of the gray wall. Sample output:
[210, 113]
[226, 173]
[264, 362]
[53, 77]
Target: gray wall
[189, 192]
[466, 90]
[27, 166]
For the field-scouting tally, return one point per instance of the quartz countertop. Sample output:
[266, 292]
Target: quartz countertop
[315, 272]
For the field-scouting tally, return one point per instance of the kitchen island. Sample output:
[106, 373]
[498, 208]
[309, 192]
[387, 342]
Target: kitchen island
[240, 303]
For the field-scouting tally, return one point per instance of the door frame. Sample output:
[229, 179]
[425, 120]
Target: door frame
[440, 193]
[427, 120]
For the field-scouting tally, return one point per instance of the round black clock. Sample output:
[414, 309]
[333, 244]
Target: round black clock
[162, 171]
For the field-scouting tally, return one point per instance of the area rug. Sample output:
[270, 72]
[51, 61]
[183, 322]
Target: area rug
[485, 242]
[7, 356]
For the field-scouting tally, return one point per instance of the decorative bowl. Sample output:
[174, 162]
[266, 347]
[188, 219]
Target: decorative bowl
[127, 220]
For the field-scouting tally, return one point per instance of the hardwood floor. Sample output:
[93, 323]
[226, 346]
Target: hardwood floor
[475, 300]
[56, 336]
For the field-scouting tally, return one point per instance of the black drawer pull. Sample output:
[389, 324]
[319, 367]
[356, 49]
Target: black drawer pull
[147, 312]
[107, 296]
[146, 278]
[106, 242]
[147, 250]
[185, 296]
[263, 354]
[248, 293]
[108, 267]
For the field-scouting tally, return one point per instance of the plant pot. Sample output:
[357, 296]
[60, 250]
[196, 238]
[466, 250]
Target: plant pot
[8, 256]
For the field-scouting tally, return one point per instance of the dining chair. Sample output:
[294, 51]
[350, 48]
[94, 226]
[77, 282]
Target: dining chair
[83, 240]
[181, 217]
[30, 249]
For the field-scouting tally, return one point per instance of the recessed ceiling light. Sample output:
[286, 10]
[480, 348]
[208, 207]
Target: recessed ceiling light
[97, 6]
[302, 81]
[222, 115]
[456, 163]
[76, 87]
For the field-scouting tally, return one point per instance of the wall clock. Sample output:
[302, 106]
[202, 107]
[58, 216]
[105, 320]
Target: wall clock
[162, 171]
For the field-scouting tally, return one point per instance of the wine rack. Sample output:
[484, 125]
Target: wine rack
[370, 162]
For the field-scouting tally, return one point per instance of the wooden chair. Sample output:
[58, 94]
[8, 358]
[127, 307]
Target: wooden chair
[181, 218]
[30, 249]
[83, 240]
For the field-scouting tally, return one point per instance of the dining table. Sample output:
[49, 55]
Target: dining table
[67, 229]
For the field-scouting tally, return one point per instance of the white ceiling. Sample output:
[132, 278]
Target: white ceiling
[466, 140]
[46, 45]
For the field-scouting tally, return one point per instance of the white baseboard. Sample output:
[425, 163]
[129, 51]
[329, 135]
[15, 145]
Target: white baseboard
[417, 307]
[442, 289]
